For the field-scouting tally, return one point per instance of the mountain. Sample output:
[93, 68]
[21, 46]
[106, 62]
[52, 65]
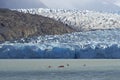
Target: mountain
[33, 36]
[16, 25]
[15, 4]
[94, 5]
[79, 20]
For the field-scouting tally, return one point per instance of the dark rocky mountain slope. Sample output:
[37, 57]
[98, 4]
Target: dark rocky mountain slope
[16, 25]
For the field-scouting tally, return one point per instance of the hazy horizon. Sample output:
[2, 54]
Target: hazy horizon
[95, 5]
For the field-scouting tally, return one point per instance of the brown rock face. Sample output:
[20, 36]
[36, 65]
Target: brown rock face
[16, 25]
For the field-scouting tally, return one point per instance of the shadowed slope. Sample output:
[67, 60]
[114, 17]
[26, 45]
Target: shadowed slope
[15, 25]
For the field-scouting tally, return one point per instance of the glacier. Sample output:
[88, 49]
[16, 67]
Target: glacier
[97, 37]
[84, 20]
[98, 44]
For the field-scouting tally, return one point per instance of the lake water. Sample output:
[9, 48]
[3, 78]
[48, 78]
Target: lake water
[56, 69]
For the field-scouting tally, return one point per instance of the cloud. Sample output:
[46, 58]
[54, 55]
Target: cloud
[70, 4]
[58, 4]
[94, 5]
[66, 4]
[117, 3]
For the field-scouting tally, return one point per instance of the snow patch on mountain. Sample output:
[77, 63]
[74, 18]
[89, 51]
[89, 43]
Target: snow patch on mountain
[79, 20]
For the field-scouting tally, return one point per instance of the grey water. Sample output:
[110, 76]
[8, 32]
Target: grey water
[77, 69]
[82, 75]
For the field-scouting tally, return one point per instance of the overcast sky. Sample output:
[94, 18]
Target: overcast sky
[117, 2]
[94, 5]
[21, 4]
[65, 4]
[71, 3]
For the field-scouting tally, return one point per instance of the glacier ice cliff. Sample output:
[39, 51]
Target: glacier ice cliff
[99, 44]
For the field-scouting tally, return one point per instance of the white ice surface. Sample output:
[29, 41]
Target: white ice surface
[79, 20]
[91, 44]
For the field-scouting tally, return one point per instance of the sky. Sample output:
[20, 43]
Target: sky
[117, 2]
[71, 3]
[95, 5]
[62, 4]
[21, 4]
